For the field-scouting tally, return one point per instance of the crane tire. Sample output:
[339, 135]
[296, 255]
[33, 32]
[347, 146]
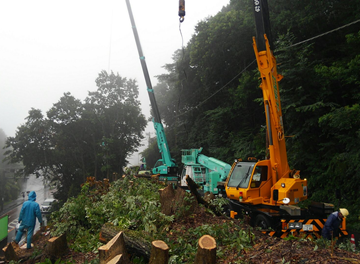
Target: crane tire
[262, 221]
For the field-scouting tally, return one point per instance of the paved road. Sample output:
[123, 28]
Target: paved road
[13, 209]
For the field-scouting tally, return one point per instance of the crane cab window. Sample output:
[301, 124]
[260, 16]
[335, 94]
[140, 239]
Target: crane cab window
[199, 174]
[158, 163]
[241, 175]
[260, 175]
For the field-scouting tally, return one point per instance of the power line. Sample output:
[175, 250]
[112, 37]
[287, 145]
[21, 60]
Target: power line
[301, 42]
[195, 107]
[323, 34]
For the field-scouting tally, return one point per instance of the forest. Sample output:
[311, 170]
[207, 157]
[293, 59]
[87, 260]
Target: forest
[210, 97]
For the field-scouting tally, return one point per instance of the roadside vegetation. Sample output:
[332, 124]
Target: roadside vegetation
[132, 206]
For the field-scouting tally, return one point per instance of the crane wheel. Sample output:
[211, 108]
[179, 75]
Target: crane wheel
[262, 221]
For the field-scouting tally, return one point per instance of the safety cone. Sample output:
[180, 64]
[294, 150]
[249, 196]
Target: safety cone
[352, 241]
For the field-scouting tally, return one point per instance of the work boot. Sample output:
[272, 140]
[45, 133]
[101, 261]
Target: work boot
[25, 246]
[14, 245]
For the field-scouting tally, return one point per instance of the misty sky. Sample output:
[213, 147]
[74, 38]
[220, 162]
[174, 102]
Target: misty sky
[48, 48]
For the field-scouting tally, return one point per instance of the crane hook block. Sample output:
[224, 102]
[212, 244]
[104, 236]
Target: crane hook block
[181, 10]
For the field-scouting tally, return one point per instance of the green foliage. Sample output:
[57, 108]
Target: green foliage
[133, 204]
[227, 235]
[219, 204]
[348, 246]
[60, 261]
[82, 217]
[187, 206]
[322, 243]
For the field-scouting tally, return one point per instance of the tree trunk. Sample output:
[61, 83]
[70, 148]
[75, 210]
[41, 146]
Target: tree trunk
[206, 252]
[159, 253]
[193, 189]
[167, 196]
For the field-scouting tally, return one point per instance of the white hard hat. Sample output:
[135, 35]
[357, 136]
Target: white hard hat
[344, 212]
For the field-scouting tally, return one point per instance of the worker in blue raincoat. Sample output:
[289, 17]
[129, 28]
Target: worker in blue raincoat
[27, 218]
[333, 223]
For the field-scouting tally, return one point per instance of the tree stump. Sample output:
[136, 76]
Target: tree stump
[159, 253]
[174, 201]
[167, 196]
[206, 252]
[114, 247]
[56, 246]
[119, 259]
[11, 251]
[135, 245]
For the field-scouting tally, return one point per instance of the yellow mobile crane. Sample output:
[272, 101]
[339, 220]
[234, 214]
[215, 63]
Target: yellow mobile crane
[268, 190]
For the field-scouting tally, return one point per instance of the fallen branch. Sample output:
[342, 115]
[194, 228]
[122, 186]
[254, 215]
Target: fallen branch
[193, 189]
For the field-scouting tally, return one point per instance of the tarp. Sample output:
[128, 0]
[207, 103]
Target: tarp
[4, 227]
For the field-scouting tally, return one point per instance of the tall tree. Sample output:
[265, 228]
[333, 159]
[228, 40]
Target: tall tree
[77, 139]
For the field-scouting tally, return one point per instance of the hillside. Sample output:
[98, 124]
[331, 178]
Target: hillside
[132, 205]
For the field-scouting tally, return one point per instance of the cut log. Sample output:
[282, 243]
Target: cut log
[119, 259]
[206, 252]
[134, 243]
[114, 247]
[193, 189]
[159, 253]
[56, 246]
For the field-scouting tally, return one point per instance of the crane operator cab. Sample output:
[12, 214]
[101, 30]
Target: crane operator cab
[252, 183]
[241, 175]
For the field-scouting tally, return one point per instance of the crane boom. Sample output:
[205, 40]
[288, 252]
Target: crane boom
[166, 165]
[269, 85]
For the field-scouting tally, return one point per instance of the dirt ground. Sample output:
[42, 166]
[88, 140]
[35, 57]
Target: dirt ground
[271, 250]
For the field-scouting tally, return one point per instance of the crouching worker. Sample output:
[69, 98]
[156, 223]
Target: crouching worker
[333, 223]
[27, 218]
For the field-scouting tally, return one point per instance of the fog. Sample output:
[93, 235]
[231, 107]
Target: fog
[48, 48]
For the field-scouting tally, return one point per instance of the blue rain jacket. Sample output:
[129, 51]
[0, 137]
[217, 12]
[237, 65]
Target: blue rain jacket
[332, 224]
[29, 211]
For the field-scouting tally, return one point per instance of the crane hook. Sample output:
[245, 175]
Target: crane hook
[181, 10]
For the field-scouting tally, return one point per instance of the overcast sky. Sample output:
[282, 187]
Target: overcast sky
[48, 48]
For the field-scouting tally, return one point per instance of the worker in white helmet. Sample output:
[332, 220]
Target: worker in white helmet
[333, 223]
